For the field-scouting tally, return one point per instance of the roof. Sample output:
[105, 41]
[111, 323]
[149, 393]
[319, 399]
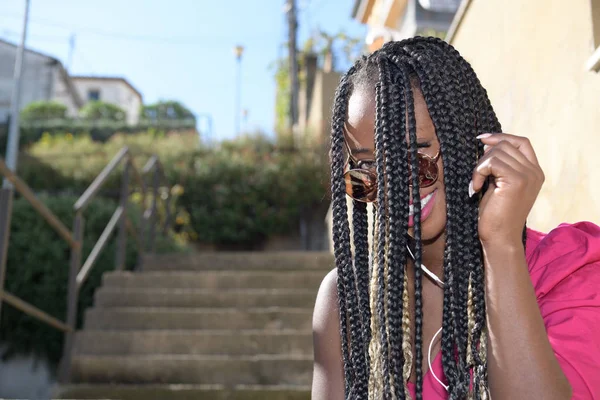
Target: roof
[107, 78]
[63, 72]
[39, 53]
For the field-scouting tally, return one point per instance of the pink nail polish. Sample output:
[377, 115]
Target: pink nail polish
[484, 136]
[471, 190]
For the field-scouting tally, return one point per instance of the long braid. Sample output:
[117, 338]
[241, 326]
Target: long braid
[397, 206]
[353, 346]
[416, 201]
[361, 270]
[382, 231]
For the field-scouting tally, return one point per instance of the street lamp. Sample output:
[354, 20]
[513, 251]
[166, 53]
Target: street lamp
[238, 51]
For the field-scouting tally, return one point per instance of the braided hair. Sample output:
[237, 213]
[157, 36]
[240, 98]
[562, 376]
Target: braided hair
[373, 295]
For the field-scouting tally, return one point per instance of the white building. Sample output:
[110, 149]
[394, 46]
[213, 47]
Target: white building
[44, 78]
[111, 90]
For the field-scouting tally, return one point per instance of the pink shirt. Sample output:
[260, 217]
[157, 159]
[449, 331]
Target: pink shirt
[564, 266]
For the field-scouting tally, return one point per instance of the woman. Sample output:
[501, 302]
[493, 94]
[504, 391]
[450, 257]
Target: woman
[448, 295]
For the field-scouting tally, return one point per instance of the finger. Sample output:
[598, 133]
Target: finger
[520, 142]
[508, 148]
[498, 167]
[497, 152]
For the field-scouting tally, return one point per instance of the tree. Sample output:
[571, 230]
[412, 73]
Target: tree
[44, 110]
[99, 110]
[336, 52]
[166, 111]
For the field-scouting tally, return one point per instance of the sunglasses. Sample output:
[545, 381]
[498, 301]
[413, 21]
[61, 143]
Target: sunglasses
[361, 183]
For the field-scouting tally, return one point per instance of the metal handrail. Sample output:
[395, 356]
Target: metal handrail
[78, 272]
[40, 207]
[97, 184]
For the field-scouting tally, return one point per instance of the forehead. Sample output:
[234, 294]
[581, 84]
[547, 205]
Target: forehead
[360, 125]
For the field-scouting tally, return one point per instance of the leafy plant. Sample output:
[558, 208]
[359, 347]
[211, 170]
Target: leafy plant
[99, 110]
[166, 111]
[44, 110]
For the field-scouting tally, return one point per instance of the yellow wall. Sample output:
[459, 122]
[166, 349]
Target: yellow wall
[530, 56]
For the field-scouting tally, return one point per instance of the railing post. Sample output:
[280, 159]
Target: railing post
[72, 299]
[6, 197]
[155, 185]
[142, 231]
[122, 235]
[168, 217]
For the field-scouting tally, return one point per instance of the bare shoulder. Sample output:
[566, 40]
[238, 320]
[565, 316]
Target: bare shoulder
[328, 376]
[326, 306]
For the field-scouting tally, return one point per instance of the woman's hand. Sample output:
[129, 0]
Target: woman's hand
[515, 181]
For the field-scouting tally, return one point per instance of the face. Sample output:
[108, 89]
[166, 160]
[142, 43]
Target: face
[360, 137]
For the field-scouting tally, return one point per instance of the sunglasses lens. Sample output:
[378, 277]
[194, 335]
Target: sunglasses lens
[428, 172]
[360, 185]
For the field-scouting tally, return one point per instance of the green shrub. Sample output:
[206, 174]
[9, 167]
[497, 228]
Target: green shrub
[244, 195]
[43, 110]
[166, 111]
[99, 110]
[37, 271]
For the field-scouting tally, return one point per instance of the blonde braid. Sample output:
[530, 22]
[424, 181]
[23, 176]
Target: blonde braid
[376, 370]
[406, 347]
[471, 322]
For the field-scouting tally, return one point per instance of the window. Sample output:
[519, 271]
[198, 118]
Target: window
[593, 64]
[93, 94]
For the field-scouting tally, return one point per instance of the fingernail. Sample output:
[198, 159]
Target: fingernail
[486, 147]
[471, 190]
[484, 136]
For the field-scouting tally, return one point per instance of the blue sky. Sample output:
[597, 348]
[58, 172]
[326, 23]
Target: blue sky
[178, 49]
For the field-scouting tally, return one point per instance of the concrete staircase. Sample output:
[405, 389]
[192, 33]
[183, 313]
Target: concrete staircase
[202, 326]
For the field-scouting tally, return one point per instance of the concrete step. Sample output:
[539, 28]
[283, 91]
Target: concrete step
[240, 261]
[184, 392]
[223, 370]
[245, 342]
[131, 318]
[116, 297]
[215, 279]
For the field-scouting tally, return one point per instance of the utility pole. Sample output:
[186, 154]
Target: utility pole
[71, 51]
[12, 151]
[293, 59]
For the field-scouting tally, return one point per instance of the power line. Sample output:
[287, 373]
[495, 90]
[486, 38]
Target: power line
[38, 38]
[127, 36]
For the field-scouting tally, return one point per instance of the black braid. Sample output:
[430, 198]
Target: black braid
[416, 199]
[341, 228]
[383, 229]
[361, 269]
[397, 208]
